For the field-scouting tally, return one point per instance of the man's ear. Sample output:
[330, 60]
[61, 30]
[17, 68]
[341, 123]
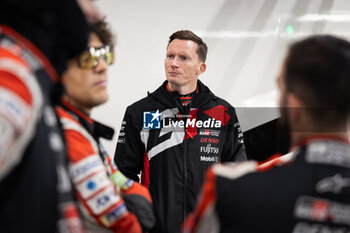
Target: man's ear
[294, 101]
[201, 68]
[296, 109]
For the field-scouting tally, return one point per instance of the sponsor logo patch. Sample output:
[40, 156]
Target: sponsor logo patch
[213, 159]
[16, 110]
[322, 210]
[93, 184]
[209, 132]
[121, 140]
[208, 149]
[240, 139]
[117, 213]
[103, 201]
[332, 153]
[86, 167]
[210, 140]
[304, 227]
[333, 184]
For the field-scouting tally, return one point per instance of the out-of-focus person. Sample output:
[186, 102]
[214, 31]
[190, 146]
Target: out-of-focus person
[94, 174]
[37, 37]
[308, 190]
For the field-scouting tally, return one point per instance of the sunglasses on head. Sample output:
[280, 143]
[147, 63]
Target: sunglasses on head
[90, 57]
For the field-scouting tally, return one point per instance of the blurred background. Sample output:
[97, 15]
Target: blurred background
[247, 40]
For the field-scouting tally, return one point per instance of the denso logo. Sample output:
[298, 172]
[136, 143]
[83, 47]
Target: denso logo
[209, 149]
[210, 140]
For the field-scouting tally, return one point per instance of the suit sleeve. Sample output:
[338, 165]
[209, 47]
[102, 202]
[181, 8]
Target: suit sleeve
[95, 191]
[138, 201]
[233, 150]
[130, 149]
[20, 104]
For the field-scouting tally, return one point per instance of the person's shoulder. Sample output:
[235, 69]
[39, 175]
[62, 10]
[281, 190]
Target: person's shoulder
[9, 55]
[209, 94]
[223, 102]
[234, 171]
[224, 105]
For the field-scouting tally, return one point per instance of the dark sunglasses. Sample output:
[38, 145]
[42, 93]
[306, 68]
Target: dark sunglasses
[90, 57]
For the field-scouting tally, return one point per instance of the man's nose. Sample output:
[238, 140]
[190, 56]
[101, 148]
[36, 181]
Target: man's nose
[174, 62]
[102, 65]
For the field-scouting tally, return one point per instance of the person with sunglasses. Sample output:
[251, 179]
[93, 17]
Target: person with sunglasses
[109, 201]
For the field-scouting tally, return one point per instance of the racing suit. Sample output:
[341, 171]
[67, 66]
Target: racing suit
[94, 176]
[307, 192]
[174, 145]
[35, 189]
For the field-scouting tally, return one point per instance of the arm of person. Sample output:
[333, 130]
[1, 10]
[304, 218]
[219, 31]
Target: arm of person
[95, 190]
[130, 149]
[233, 150]
[20, 103]
[204, 218]
[138, 201]
[136, 197]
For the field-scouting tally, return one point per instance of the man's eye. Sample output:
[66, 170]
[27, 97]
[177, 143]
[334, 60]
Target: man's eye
[183, 58]
[170, 56]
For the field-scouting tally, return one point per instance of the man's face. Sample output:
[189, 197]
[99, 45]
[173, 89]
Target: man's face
[282, 88]
[182, 65]
[86, 88]
[283, 105]
[282, 102]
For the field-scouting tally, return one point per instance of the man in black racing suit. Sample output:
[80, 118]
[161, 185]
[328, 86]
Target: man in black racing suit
[309, 189]
[174, 134]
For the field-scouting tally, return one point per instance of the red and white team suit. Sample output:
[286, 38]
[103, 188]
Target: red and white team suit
[35, 190]
[97, 180]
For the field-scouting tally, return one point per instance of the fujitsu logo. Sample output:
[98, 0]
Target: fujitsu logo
[209, 149]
